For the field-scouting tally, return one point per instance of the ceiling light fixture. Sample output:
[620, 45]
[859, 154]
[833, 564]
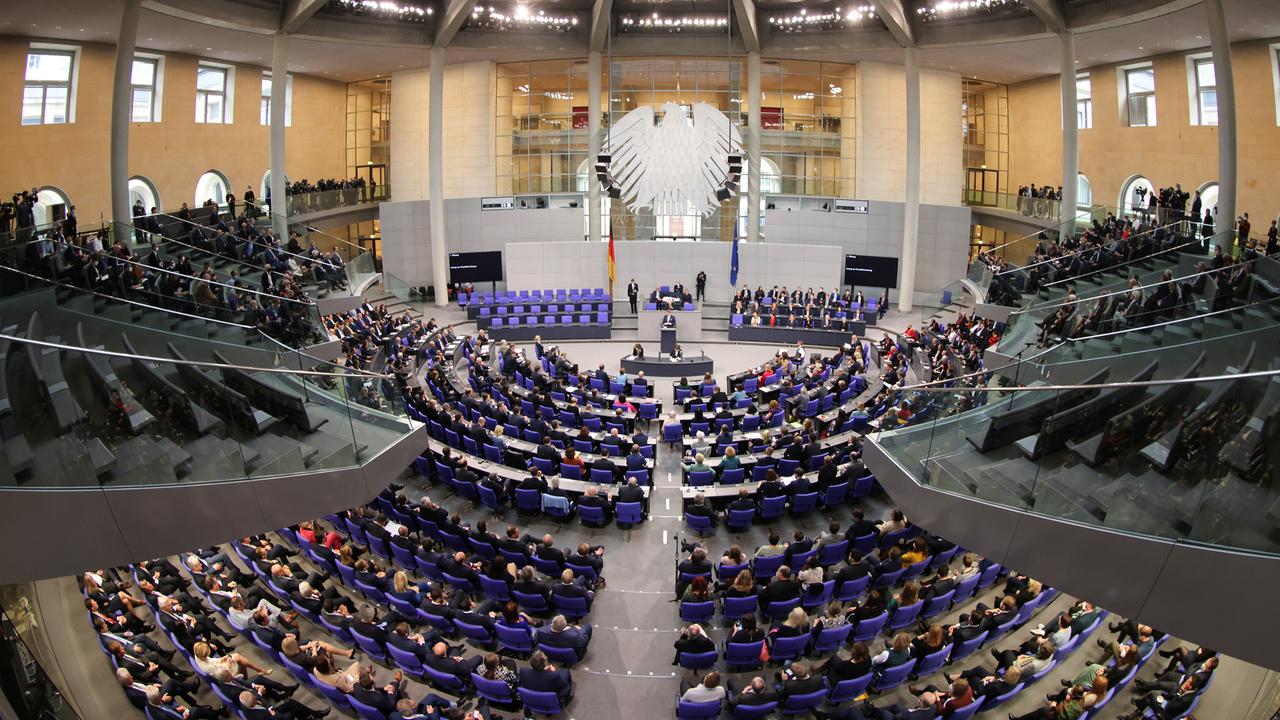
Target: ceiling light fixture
[657, 22]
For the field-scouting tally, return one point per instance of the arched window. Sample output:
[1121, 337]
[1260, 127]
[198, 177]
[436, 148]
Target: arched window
[1208, 197]
[142, 189]
[266, 185]
[770, 183]
[582, 183]
[51, 205]
[212, 185]
[1135, 195]
[1084, 193]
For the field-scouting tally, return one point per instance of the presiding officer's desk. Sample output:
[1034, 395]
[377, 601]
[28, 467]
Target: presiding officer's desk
[688, 324]
[666, 367]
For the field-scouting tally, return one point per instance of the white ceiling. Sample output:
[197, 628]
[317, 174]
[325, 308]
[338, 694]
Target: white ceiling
[98, 21]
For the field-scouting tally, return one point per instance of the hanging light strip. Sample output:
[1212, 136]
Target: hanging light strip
[837, 18]
[384, 8]
[946, 9]
[673, 23]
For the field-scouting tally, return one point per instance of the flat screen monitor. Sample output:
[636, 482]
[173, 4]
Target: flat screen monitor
[871, 271]
[475, 267]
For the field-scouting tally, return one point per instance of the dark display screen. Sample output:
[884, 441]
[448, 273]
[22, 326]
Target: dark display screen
[871, 271]
[475, 267]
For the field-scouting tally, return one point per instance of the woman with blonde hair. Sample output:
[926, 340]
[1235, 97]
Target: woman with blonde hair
[402, 589]
[744, 585]
[235, 663]
[797, 623]
[327, 670]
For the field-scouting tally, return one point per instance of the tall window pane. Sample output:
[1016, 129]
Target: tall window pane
[1084, 102]
[1206, 92]
[46, 94]
[211, 94]
[1141, 101]
[143, 79]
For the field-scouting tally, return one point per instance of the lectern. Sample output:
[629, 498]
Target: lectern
[668, 341]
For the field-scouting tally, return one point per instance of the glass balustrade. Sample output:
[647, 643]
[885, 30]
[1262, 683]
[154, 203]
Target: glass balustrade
[27, 686]
[299, 203]
[148, 409]
[1179, 446]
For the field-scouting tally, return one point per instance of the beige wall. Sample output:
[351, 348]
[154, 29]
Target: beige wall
[1175, 151]
[469, 134]
[882, 134]
[172, 153]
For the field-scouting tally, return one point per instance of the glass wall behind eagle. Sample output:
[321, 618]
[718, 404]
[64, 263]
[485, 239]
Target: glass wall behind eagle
[807, 119]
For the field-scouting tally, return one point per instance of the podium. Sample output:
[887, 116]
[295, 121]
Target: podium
[668, 341]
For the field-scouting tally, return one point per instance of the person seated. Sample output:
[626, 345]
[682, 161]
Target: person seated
[1074, 703]
[693, 640]
[797, 680]
[543, 676]
[897, 653]
[569, 588]
[782, 588]
[559, 633]
[756, 692]
[709, 690]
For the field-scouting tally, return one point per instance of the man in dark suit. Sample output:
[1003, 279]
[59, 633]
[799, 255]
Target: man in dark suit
[441, 661]
[402, 638]
[547, 451]
[1168, 706]
[799, 545]
[633, 294]
[699, 507]
[559, 633]
[603, 462]
[569, 588]
[861, 527]
[941, 584]
[542, 676]
[592, 499]
[383, 698]
[782, 588]
[799, 484]
[636, 461]
[668, 321]
[799, 682]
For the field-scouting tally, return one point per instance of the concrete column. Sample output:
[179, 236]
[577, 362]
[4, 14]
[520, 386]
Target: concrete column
[121, 113]
[279, 90]
[753, 147]
[1224, 220]
[435, 177]
[1070, 133]
[911, 209]
[593, 146]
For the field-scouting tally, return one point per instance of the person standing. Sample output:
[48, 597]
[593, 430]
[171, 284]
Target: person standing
[701, 285]
[1242, 232]
[633, 295]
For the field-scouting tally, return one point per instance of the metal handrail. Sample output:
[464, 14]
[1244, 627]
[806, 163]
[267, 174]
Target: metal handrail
[1081, 301]
[198, 226]
[1175, 321]
[123, 300]
[234, 288]
[1104, 386]
[1077, 252]
[169, 311]
[196, 363]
